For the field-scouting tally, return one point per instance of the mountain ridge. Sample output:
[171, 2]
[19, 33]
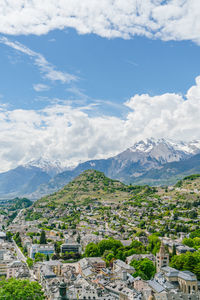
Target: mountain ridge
[133, 165]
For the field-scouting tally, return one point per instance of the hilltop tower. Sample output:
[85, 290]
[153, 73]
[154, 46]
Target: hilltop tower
[162, 258]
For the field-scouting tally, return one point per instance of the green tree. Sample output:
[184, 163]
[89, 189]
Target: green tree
[9, 236]
[43, 237]
[92, 250]
[40, 257]
[195, 233]
[144, 268]
[154, 244]
[109, 244]
[57, 247]
[17, 239]
[188, 242]
[174, 250]
[78, 239]
[20, 289]
[188, 261]
[29, 262]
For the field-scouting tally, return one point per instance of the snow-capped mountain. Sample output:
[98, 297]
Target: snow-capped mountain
[41, 177]
[50, 167]
[192, 147]
[148, 145]
[131, 164]
[152, 153]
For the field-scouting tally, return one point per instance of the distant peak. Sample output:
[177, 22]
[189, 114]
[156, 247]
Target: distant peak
[148, 144]
[51, 167]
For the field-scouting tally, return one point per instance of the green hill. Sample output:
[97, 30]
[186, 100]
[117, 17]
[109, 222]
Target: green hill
[90, 186]
[189, 182]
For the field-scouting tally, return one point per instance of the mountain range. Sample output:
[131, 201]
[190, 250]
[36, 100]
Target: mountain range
[151, 161]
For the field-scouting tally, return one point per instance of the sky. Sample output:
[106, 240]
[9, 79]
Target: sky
[86, 79]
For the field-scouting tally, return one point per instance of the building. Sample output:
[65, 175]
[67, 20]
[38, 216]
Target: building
[3, 268]
[17, 269]
[43, 249]
[2, 235]
[140, 256]
[162, 258]
[96, 263]
[187, 280]
[2, 254]
[70, 247]
[119, 266]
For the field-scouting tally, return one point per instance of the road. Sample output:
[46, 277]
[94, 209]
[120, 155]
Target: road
[22, 258]
[20, 255]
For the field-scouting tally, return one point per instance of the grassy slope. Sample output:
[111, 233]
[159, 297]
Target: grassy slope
[93, 185]
[90, 185]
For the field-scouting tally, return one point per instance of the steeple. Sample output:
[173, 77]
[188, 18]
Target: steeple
[162, 249]
[162, 258]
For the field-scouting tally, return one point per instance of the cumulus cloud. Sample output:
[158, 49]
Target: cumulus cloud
[168, 20]
[61, 132]
[46, 68]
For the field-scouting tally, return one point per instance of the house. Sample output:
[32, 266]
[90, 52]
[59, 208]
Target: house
[119, 266]
[96, 263]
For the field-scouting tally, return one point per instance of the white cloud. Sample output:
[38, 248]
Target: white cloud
[70, 135]
[47, 69]
[168, 20]
[39, 87]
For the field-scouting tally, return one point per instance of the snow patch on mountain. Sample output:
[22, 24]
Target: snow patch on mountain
[192, 147]
[147, 145]
[50, 167]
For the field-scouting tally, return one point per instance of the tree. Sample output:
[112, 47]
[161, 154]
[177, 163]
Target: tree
[195, 233]
[154, 244]
[91, 250]
[9, 236]
[40, 257]
[188, 242]
[109, 244]
[20, 289]
[174, 250]
[43, 237]
[25, 250]
[144, 268]
[29, 262]
[18, 240]
[78, 239]
[187, 261]
[57, 247]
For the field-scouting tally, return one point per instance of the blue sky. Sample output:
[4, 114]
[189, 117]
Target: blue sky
[86, 80]
[110, 70]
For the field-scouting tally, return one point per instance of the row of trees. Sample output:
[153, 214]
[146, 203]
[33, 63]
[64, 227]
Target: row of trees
[20, 289]
[114, 249]
[188, 261]
[111, 249]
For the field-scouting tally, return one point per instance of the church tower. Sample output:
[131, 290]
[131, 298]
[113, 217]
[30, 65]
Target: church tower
[162, 258]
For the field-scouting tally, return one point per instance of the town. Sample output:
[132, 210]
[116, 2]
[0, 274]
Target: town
[137, 243]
